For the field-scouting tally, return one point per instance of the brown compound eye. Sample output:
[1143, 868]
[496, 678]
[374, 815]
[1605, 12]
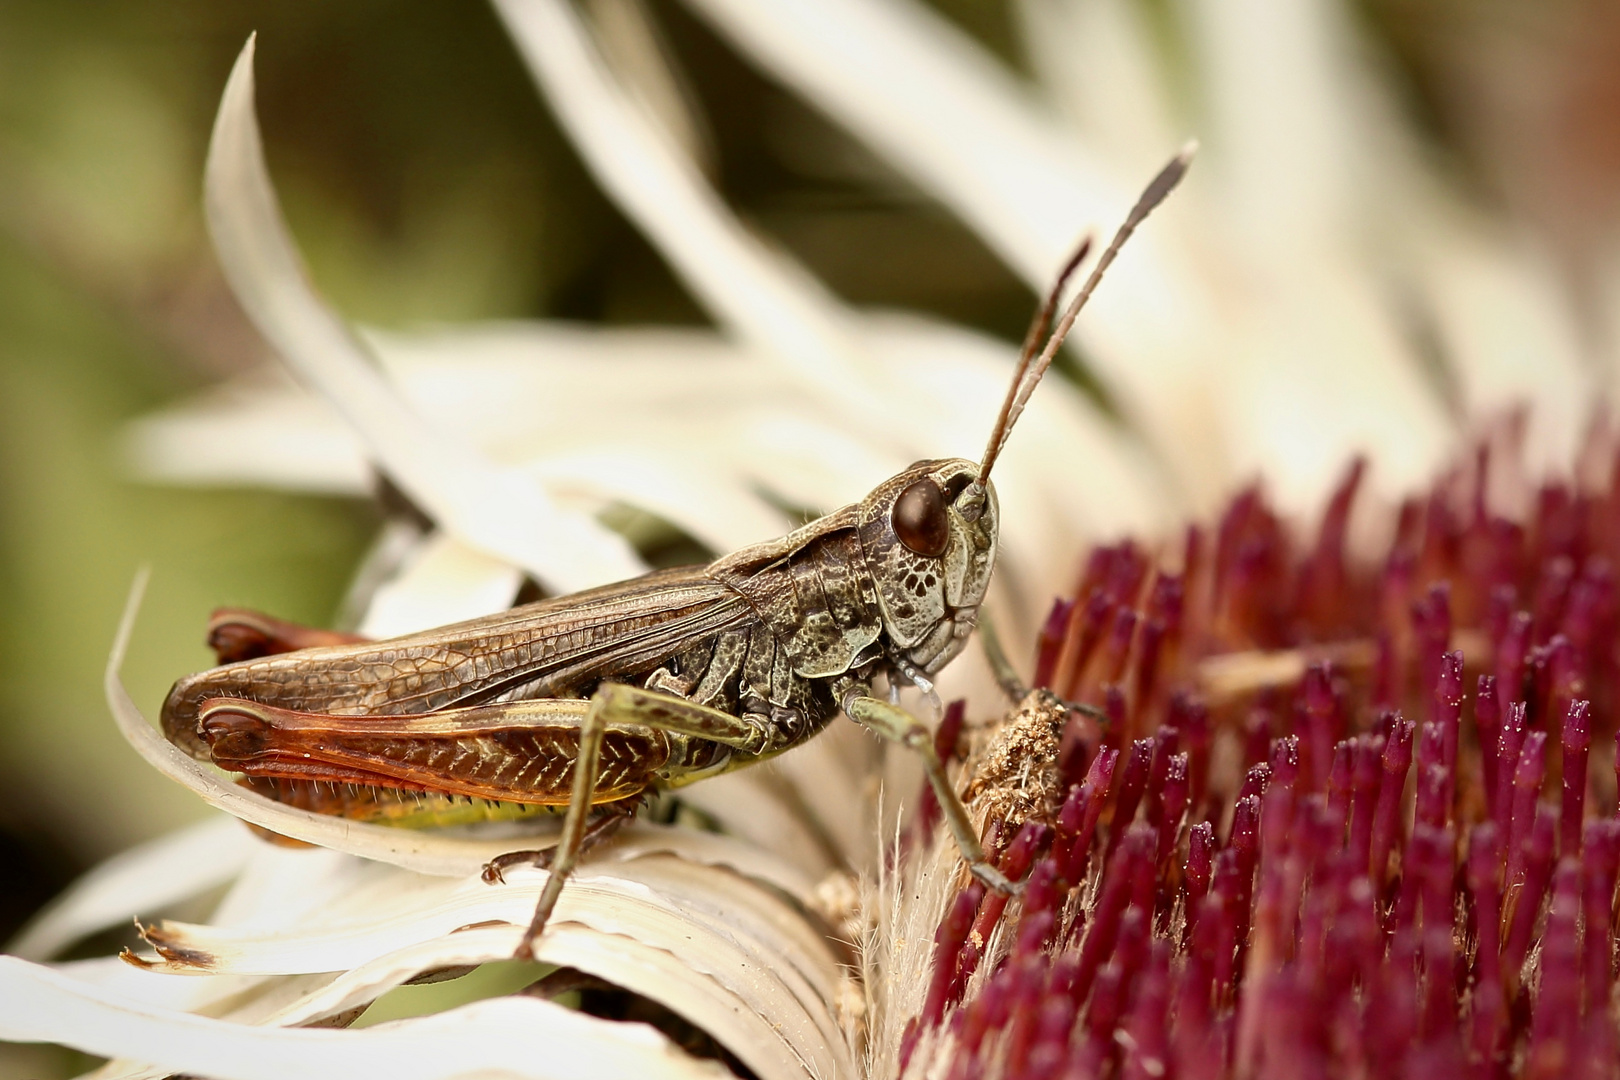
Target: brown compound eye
[920, 520]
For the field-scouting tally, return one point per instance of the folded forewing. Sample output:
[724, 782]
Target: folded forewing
[550, 648]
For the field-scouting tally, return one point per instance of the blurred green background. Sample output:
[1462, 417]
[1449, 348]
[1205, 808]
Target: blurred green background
[427, 182]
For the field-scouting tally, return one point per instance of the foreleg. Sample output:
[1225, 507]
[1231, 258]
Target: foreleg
[897, 725]
[1011, 683]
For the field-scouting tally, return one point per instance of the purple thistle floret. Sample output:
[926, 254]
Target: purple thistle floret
[1380, 848]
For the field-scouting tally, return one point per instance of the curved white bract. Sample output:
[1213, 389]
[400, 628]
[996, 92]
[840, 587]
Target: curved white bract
[497, 509]
[509, 1036]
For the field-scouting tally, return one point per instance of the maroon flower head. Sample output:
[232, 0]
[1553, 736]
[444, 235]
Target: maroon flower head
[1340, 819]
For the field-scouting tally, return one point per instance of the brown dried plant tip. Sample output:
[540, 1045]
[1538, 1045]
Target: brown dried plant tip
[1014, 767]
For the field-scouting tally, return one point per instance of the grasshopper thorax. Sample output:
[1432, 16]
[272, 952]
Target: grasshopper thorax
[929, 537]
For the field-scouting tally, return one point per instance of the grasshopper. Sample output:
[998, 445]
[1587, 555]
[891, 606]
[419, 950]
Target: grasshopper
[585, 703]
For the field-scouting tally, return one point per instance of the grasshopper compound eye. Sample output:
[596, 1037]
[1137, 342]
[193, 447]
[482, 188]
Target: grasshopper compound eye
[920, 521]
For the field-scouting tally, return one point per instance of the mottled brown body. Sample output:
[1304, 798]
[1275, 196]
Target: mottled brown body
[774, 636]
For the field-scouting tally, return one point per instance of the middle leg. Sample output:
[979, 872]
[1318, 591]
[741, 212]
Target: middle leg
[602, 827]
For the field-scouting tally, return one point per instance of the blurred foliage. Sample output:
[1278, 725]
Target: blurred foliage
[426, 182]
[1525, 99]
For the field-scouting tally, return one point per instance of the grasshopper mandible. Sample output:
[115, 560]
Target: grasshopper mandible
[588, 701]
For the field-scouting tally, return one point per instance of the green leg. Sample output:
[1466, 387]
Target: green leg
[895, 724]
[1006, 675]
[615, 704]
[586, 767]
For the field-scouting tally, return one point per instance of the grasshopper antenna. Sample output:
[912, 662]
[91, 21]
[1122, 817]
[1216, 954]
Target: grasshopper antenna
[1032, 366]
[1033, 339]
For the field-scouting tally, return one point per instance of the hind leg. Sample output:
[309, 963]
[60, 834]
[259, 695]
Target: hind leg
[240, 634]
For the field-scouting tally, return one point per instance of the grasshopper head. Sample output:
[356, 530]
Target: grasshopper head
[929, 536]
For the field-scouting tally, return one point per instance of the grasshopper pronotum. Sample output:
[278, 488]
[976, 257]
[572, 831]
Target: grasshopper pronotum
[587, 701]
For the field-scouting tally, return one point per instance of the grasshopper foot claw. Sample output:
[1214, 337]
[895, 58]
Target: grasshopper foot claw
[494, 872]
